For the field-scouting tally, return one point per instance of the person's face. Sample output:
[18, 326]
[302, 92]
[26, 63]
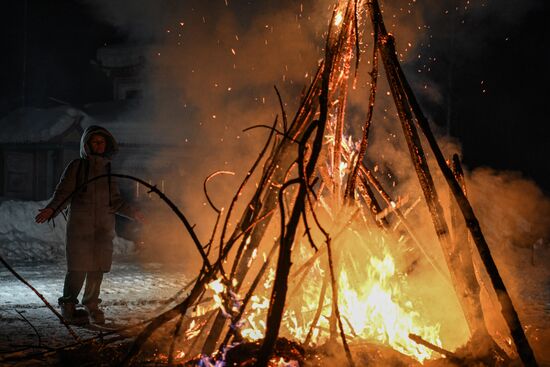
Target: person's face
[98, 144]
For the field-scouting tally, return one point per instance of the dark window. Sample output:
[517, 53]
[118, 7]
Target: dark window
[132, 94]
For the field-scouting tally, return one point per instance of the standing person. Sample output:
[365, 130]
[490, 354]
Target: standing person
[90, 225]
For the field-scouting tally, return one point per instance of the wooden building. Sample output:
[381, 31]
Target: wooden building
[37, 144]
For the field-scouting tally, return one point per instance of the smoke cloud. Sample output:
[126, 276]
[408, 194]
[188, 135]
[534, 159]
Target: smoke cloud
[211, 68]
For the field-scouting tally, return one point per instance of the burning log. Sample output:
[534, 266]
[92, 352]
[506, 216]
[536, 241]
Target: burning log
[350, 188]
[274, 175]
[288, 230]
[406, 104]
[461, 251]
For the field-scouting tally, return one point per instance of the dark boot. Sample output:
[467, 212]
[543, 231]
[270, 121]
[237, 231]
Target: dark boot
[96, 314]
[73, 315]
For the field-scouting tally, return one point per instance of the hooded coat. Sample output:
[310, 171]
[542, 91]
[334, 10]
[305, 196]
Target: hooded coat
[91, 219]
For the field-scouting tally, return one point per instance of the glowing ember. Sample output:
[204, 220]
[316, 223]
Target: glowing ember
[192, 331]
[180, 354]
[282, 363]
[217, 286]
[338, 18]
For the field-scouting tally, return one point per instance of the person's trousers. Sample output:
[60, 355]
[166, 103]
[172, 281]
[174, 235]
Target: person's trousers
[74, 280]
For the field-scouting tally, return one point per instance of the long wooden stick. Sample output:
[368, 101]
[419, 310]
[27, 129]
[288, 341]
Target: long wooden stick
[352, 178]
[42, 298]
[508, 311]
[318, 311]
[162, 196]
[276, 306]
[461, 250]
[264, 201]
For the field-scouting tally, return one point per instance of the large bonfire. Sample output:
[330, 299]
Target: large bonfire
[315, 261]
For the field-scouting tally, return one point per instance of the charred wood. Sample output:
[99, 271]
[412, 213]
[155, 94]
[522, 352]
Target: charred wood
[404, 92]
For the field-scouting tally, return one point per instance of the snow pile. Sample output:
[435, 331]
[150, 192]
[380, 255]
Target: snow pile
[21, 239]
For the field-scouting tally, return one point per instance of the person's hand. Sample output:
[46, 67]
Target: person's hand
[44, 215]
[139, 217]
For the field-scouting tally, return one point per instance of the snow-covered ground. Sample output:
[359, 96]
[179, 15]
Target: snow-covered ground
[23, 240]
[130, 293]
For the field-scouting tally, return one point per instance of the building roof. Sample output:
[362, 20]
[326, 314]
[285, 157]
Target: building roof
[35, 125]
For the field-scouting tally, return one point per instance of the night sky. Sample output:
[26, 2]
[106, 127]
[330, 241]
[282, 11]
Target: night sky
[493, 76]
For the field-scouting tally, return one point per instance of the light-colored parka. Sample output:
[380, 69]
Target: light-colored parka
[91, 219]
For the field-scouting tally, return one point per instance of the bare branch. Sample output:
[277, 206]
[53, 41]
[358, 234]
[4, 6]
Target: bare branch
[32, 326]
[285, 123]
[11, 270]
[161, 195]
[212, 175]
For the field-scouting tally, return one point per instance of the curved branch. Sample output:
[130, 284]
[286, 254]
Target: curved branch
[212, 175]
[238, 193]
[274, 129]
[282, 204]
[31, 325]
[161, 195]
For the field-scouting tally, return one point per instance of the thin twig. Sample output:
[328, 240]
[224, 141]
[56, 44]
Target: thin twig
[173, 343]
[272, 129]
[356, 29]
[318, 311]
[212, 175]
[51, 351]
[352, 178]
[234, 329]
[285, 128]
[208, 245]
[61, 318]
[238, 193]
[31, 325]
[308, 232]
